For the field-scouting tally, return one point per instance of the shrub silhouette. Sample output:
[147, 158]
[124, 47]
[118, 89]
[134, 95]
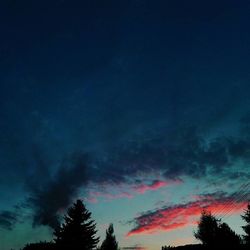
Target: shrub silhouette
[246, 228]
[78, 231]
[110, 242]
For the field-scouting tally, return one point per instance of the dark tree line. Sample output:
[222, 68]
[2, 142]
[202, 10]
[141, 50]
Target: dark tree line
[78, 232]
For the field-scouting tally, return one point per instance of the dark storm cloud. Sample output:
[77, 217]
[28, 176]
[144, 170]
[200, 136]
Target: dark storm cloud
[182, 153]
[8, 219]
[176, 153]
[58, 192]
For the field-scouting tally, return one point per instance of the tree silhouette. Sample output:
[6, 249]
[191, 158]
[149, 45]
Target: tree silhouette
[207, 229]
[212, 233]
[246, 228]
[226, 237]
[78, 231]
[167, 247]
[110, 242]
[40, 246]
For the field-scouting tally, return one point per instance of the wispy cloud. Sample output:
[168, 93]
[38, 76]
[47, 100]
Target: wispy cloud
[155, 185]
[93, 196]
[8, 219]
[181, 152]
[57, 193]
[179, 216]
[131, 190]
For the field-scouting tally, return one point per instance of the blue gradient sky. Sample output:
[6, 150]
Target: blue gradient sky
[136, 107]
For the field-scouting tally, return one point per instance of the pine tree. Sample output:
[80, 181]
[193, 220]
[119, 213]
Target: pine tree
[207, 229]
[227, 238]
[110, 242]
[213, 233]
[78, 231]
[246, 228]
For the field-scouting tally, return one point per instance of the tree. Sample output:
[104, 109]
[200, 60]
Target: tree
[212, 233]
[246, 228]
[40, 246]
[227, 238]
[110, 242]
[207, 229]
[78, 231]
[166, 247]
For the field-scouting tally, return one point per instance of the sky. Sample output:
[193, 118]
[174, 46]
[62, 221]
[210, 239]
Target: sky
[139, 108]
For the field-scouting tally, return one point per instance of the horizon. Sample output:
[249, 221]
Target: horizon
[140, 109]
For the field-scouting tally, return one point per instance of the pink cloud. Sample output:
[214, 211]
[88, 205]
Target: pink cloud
[141, 189]
[180, 216]
[155, 185]
[132, 190]
[91, 200]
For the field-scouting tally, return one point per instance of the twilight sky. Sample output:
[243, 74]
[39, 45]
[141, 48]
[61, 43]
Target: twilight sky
[140, 108]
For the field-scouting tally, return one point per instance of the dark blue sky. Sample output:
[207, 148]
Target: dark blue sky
[138, 86]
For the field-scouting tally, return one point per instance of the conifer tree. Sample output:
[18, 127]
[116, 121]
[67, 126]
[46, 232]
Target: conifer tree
[78, 231]
[227, 238]
[110, 242]
[213, 233]
[207, 229]
[246, 228]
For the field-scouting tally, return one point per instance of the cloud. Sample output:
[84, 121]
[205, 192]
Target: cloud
[182, 215]
[58, 192]
[131, 190]
[8, 219]
[155, 185]
[175, 153]
[183, 152]
[93, 196]
[172, 154]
